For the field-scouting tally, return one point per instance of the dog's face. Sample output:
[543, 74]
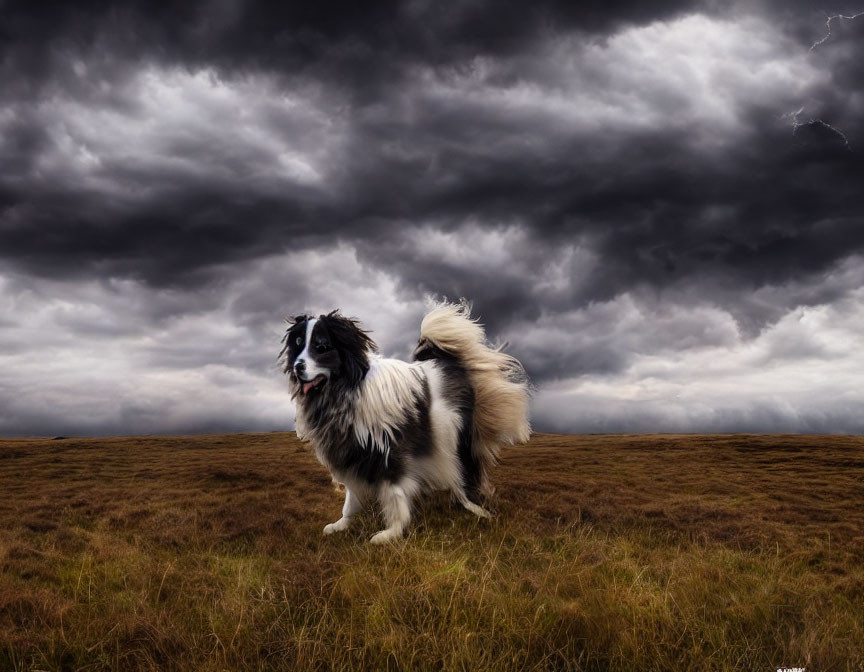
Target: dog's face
[324, 351]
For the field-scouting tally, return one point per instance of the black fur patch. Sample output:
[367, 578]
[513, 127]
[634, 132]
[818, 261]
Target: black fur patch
[459, 393]
[414, 436]
[350, 342]
[365, 461]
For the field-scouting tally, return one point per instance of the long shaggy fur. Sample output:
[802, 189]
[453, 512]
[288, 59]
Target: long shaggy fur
[501, 388]
[388, 429]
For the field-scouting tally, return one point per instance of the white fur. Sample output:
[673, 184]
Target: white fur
[395, 499]
[350, 508]
[441, 470]
[387, 393]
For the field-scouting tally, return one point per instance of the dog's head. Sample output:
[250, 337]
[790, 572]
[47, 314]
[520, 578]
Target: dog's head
[325, 351]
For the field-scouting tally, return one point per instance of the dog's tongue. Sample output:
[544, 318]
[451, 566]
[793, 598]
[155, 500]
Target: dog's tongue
[309, 384]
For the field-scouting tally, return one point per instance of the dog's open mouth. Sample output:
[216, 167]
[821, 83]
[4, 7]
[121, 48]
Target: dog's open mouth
[315, 382]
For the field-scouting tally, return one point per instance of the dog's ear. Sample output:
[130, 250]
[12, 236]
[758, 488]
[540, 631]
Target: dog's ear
[353, 343]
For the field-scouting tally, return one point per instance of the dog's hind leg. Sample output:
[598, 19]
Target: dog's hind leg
[476, 509]
[350, 508]
[395, 501]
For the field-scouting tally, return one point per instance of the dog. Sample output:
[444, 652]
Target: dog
[389, 430]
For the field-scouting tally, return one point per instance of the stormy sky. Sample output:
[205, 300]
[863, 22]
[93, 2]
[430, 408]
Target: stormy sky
[659, 206]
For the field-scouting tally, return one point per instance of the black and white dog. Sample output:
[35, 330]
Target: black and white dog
[388, 429]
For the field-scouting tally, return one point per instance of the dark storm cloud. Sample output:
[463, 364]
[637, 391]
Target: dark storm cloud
[87, 53]
[609, 182]
[287, 36]
[657, 207]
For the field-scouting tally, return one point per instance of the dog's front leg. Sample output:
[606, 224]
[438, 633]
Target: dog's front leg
[349, 509]
[395, 501]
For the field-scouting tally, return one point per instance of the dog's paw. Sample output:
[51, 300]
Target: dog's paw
[339, 526]
[384, 536]
[477, 510]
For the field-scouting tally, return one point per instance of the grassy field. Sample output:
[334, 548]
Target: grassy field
[607, 552]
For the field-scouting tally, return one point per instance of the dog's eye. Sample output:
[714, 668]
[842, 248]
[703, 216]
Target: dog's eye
[320, 348]
[299, 340]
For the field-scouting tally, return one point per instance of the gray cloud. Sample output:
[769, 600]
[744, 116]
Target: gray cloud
[617, 187]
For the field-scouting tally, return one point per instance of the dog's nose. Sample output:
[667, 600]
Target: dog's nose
[300, 366]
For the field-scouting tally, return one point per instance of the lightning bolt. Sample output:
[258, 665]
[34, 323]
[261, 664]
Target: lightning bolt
[814, 122]
[833, 17]
[794, 117]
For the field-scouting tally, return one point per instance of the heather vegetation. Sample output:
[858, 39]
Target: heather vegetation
[607, 552]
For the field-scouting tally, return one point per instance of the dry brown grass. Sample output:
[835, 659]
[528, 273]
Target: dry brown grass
[607, 552]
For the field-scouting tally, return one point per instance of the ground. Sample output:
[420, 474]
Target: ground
[739, 552]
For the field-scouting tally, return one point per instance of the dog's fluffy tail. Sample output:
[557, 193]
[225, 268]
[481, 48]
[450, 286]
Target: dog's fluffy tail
[501, 388]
